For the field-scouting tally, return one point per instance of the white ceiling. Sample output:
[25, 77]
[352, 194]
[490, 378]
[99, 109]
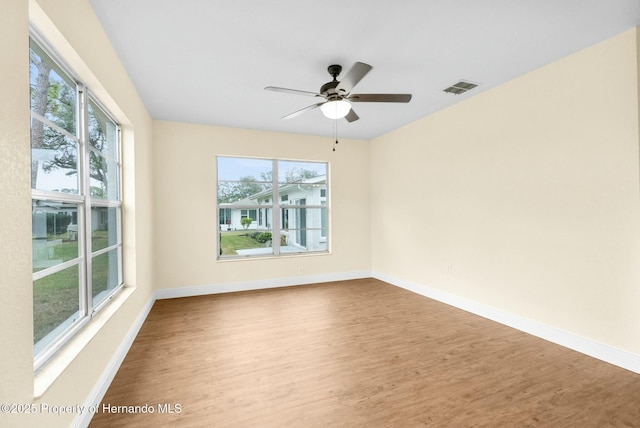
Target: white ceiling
[208, 61]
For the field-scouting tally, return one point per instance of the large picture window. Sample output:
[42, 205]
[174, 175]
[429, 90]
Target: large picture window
[76, 203]
[271, 207]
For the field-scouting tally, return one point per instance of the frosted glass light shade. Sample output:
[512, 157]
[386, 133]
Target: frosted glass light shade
[335, 109]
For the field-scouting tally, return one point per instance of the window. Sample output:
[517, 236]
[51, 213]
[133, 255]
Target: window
[224, 216]
[265, 198]
[76, 204]
[248, 213]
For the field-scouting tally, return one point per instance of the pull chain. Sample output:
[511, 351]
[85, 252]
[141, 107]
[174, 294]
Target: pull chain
[335, 133]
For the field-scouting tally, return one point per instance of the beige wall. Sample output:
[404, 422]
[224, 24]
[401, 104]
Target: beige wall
[525, 197]
[185, 204]
[16, 352]
[74, 31]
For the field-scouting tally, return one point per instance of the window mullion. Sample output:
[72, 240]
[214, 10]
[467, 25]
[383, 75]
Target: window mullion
[45, 195]
[53, 126]
[275, 212]
[83, 173]
[120, 244]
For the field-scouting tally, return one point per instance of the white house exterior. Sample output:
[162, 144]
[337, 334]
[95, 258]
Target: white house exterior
[302, 213]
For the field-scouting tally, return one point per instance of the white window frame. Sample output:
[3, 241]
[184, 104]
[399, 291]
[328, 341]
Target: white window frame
[60, 335]
[273, 205]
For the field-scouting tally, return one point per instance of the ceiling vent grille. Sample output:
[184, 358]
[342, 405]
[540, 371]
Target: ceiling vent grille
[460, 88]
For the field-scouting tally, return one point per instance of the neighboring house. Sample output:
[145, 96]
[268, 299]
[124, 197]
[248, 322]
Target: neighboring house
[303, 217]
[231, 218]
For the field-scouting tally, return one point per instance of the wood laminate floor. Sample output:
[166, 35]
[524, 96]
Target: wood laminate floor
[357, 353]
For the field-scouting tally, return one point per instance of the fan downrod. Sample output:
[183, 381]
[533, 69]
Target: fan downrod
[328, 89]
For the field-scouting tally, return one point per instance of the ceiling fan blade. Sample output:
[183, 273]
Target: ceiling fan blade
[299, 112]
[353, 76]
[352, 116]
[380, 98]
[292, 91]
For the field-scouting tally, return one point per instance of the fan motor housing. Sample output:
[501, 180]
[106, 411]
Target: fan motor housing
[329, 88]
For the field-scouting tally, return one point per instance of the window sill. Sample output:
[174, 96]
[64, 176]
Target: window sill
[273, 256]
[53, 368]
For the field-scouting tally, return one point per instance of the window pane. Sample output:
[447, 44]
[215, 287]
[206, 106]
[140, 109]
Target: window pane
[103, 177]
[303, 193]
[235, 169]
[246, 242]
[53, 92]
[303, 240]
[323, 221]
[104, 275]
[304, 218]
[296, 172]
[55, 305]
[104, 227]
[102, 132]
[243, 193]
[305, 229]
[224, 215]
[54, 228]
[53, 159]
[251, 214]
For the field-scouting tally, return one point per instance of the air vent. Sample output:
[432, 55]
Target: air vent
[460, 88]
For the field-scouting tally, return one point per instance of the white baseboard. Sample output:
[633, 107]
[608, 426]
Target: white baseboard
[200, 290]
[98, 391]
[583, 345]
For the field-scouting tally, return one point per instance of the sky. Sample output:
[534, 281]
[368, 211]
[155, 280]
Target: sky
[232, 168]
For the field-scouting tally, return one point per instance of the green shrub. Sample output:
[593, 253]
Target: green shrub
[261, 237]
[245, 222]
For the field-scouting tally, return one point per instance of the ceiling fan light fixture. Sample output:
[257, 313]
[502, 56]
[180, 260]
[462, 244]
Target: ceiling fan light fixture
[336, 93]
[336, 109]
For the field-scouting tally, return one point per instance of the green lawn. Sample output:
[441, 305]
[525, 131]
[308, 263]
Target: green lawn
[56, 296]
[236, 240]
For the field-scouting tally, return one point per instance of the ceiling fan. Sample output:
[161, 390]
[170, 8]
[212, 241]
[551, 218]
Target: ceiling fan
[337, 94]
